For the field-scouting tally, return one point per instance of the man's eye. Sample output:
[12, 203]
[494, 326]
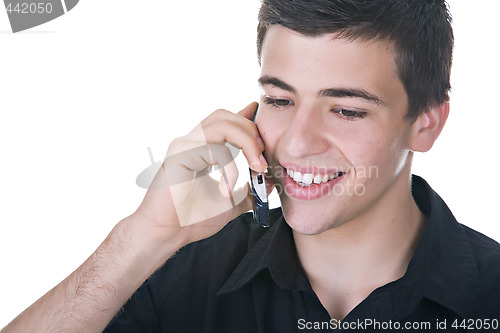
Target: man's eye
[278, 102]
[350, 114]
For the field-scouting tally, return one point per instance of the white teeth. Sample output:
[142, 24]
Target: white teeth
[297, 176]
[306, 179]
[325, 179]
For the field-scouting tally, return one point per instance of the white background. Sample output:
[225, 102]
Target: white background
[83, 96]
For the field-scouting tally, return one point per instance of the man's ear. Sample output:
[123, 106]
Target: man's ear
[428, 126]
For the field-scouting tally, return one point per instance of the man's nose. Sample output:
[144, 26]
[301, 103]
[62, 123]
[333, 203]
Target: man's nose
[304, 134]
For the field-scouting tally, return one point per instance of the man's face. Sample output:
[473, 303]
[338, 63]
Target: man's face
[332, 110]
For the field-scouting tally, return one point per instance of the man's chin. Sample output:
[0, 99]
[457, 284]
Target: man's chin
[306, 224]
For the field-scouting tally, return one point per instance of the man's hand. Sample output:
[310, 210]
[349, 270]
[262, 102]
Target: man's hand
[183, 201]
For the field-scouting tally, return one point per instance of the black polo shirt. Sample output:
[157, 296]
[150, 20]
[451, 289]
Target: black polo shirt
[248, 279]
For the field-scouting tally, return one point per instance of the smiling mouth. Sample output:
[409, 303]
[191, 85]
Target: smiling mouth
[309, 179]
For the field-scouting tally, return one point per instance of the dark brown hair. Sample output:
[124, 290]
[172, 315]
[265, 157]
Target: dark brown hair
[420, 31]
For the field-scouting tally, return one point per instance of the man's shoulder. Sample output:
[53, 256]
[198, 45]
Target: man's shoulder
[486, 250]
[486, 253]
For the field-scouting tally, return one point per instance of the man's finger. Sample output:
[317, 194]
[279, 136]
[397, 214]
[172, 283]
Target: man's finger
[249, 111]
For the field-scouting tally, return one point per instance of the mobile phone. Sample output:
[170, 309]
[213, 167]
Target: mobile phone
[259, 195]
[259, 198]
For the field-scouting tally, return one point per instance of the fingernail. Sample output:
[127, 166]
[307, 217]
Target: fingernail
[263, 160]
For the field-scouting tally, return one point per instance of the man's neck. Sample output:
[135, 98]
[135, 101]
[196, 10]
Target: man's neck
[344, 265]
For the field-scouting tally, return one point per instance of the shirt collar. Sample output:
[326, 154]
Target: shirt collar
[442, 269]
[274, 251]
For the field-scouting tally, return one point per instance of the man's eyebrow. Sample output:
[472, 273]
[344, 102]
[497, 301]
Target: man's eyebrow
[331, 92]
[274, 81]
[352, 93]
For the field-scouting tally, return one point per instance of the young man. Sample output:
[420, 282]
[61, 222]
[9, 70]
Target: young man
[351, 88]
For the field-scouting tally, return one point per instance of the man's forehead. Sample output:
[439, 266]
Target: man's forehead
[277, 31]
[330, 66]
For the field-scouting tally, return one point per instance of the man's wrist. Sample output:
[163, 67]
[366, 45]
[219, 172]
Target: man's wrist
[148, 242]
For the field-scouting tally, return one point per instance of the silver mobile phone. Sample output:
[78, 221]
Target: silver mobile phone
[259, 195]
[260, 202]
